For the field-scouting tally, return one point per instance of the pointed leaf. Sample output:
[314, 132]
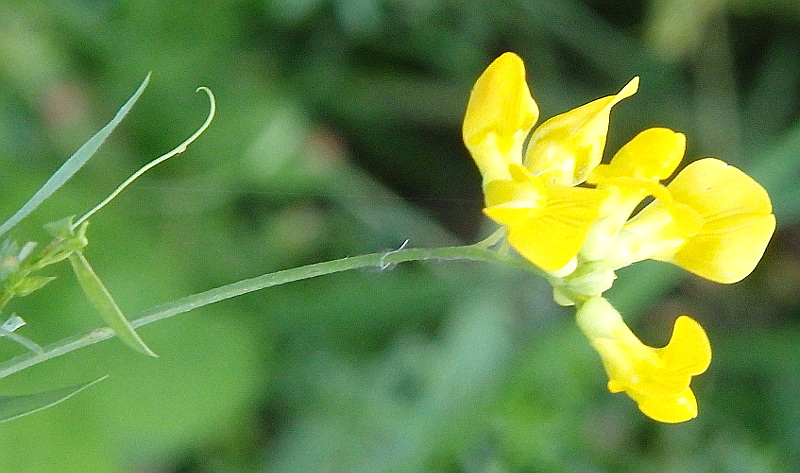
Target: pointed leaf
[102, 300]
[73, 164]
[14, 407]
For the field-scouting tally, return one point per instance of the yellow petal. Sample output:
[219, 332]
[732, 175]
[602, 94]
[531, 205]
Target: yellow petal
[571, 145]
[656, 232]
[652, 155]
[737, 220]
[635, 172]
[656, 378]
[689, 350]
[521, 187]
[670, 408]
[499, 115]
[687, 354]
[550, 236]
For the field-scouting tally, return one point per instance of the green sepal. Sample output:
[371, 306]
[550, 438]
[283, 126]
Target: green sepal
[61, 228]
[66, 240]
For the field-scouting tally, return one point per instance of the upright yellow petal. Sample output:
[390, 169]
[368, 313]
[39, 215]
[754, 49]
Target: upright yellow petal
[652, 155]
[737, 220]
[571, 145]
[499, 115]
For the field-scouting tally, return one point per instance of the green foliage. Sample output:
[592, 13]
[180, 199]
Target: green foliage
[71, 165]
[18, 266]
[338, 135]
[14, 407]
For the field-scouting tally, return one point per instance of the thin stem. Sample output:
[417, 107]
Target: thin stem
[185, 304]
[24, 341]
[492, 239]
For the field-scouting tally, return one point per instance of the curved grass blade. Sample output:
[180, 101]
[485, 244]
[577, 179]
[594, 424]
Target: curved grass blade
[101, 299]
[73, 164]
[14, 407]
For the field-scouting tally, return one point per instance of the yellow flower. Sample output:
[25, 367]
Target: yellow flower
[536, 198]
[656, 378]
[575, 218]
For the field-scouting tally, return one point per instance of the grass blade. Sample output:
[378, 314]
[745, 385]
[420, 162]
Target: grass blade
[14, 407]
[73, 164]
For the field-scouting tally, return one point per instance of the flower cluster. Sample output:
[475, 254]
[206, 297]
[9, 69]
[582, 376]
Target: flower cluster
[576, 219]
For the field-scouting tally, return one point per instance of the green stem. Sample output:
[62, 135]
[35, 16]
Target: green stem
[476, 252]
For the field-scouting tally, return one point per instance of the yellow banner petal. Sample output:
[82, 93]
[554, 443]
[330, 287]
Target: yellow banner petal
[571, 145]
[499, 115]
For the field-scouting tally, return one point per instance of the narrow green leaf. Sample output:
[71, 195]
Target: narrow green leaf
[73, 164]
[102, 300]
[14, 407]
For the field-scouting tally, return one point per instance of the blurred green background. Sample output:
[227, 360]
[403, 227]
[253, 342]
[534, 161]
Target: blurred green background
[338, 133]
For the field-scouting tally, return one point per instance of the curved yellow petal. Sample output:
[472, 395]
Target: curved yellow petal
[652, 155]
[737, 220]
[571, 145]
[669, 408]
[550, 233]
[687, 354]
[689, 350]
[499, 115]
